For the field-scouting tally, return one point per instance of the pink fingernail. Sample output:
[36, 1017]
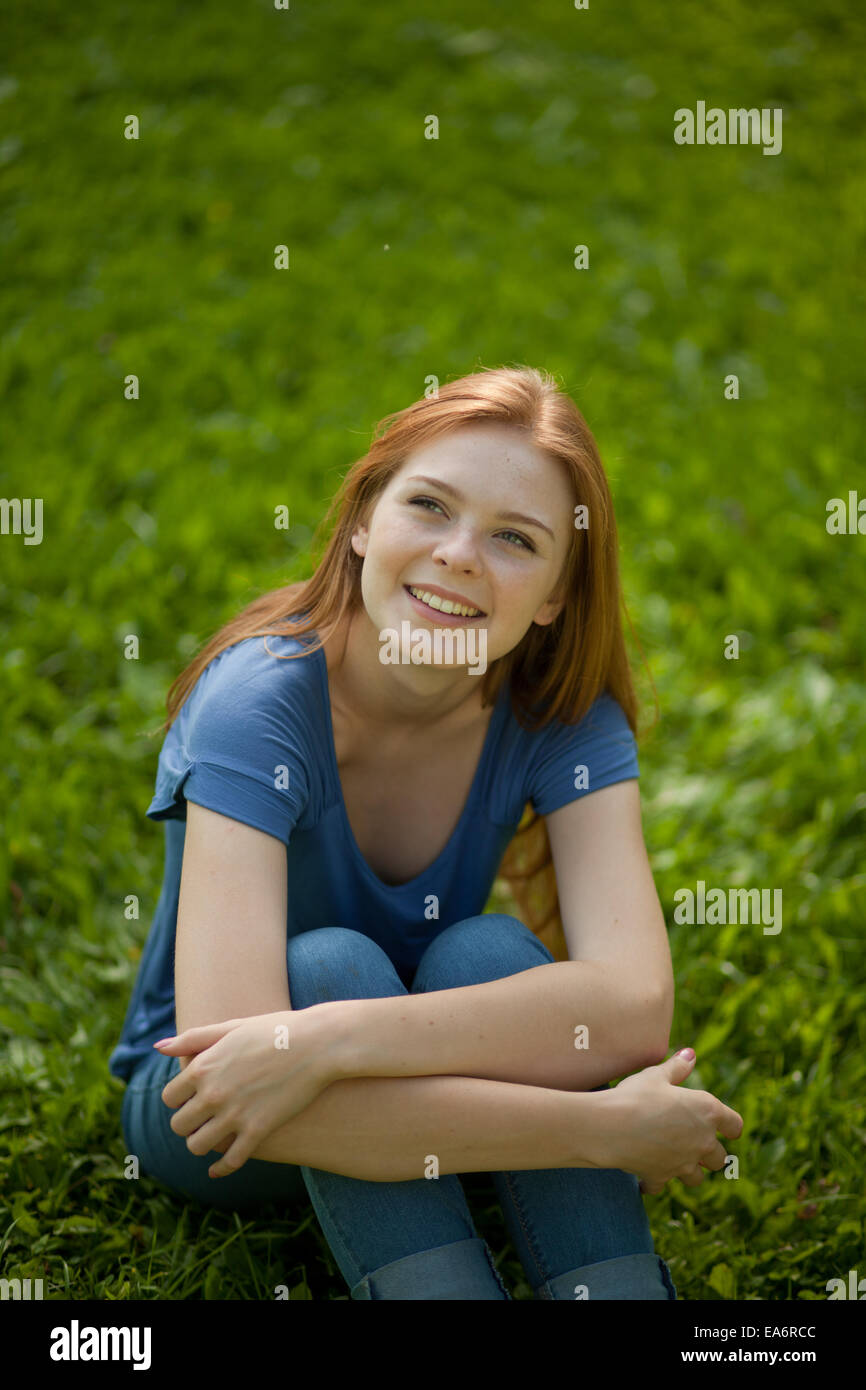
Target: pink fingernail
[162, 1041]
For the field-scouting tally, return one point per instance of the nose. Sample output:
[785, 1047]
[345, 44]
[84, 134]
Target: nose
[459, 551]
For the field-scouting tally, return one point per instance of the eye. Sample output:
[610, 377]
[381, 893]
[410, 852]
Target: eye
[522, 541]
[415, 500]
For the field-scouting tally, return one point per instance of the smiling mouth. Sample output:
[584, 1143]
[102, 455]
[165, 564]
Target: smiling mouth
[443, 605]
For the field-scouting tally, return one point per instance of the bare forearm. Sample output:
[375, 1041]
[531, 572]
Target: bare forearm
[570, 1025]
[385, 1129]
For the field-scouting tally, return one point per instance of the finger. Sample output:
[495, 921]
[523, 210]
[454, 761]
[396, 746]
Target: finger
[211, 1136]
[191, 1117]
[730, 1123]
[180, 1089]
[692, 1177]
[233, 1158]
[194, 1040]
[715, 1159]
[652, 1189]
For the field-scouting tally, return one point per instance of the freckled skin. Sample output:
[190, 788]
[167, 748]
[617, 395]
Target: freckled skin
[417, 533]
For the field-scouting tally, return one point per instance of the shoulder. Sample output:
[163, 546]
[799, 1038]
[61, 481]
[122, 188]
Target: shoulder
[246, 738]
[604, 726]
[571, 759]
[605, 714]
[257, 665]
[258, 682]
[605, 718]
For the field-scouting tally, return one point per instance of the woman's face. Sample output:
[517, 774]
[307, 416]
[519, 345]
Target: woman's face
[500, 545]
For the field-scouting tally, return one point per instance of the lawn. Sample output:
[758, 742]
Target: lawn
[257, 387]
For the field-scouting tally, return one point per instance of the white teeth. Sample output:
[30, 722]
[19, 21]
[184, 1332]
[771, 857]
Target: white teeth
[445, 605]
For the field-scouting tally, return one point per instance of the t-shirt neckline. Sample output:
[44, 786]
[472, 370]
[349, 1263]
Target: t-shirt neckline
[474, 790]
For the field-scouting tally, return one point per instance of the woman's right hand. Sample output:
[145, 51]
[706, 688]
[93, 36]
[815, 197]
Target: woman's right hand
[659, 1131]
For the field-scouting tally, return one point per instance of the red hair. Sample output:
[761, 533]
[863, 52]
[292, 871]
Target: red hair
[562, 667]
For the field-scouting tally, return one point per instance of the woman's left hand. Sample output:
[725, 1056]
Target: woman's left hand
[247, 1077]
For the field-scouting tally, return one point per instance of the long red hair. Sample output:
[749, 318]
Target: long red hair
[562, 667]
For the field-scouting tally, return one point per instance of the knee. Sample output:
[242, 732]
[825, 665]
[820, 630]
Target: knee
[336, 963]
[478, 949]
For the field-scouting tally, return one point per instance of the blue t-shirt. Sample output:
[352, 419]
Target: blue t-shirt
[254, 741]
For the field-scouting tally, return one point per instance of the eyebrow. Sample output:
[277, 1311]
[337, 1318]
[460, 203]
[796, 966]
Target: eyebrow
[458, 497]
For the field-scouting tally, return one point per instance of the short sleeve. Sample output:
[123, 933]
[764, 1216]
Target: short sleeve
[574, 760]
[234, 752]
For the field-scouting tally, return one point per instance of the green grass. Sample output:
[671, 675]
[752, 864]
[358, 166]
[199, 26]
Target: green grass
[259, 387]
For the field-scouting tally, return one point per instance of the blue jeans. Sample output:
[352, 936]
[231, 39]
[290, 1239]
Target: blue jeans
[578, 1232]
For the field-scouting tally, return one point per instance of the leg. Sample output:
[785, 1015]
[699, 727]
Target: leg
[578, 1232]
[392, 1240]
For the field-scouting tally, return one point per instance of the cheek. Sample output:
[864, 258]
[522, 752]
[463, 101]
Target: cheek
[515, 586]
[395, 535]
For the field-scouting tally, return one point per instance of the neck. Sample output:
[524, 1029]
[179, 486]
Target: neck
[390, 696]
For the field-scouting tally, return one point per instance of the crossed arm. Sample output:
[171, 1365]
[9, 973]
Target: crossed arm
[569, 1025]
[480, 1072]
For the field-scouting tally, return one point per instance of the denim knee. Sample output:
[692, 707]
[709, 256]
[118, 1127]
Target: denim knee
[478, 949]
[337, 963]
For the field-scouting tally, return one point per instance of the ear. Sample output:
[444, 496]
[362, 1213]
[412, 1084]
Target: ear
[551, 609]
[548, 612]
[359, 540]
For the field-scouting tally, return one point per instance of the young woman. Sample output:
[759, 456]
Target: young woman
[350, 1026]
